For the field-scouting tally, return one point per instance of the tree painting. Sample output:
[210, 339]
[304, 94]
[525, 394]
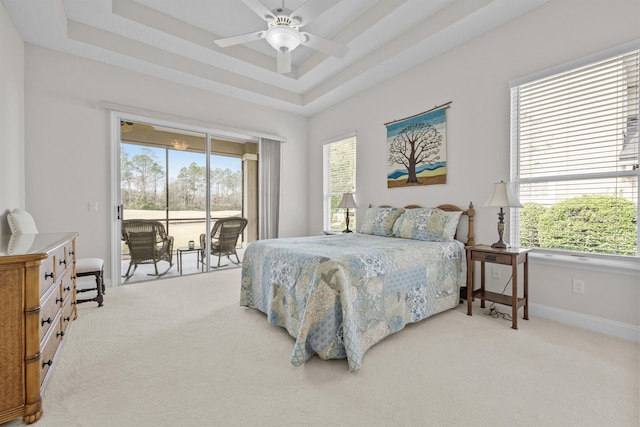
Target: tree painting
[417, 150]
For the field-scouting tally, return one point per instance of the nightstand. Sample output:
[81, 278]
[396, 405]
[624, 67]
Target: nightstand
[509, 256]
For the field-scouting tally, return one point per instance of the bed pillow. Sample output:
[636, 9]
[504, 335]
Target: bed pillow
[379, 221]
[451, 226]
[426, 224]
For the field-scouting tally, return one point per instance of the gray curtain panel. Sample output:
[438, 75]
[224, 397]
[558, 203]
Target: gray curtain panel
[268, 188]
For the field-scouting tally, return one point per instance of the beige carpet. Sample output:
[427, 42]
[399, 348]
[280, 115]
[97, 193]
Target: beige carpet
[181, 352]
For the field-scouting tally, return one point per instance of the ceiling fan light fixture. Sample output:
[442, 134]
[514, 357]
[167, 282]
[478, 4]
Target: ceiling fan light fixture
[179, 144]
[283, 37]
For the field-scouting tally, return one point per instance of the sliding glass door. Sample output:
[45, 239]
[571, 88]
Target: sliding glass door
[178, 182]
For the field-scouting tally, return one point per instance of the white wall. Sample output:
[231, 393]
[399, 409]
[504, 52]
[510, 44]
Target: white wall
[68, 141]
[67, 136]
[474, 77]
[12, 173]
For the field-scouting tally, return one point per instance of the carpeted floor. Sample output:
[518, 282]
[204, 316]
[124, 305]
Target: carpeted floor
[181, 352]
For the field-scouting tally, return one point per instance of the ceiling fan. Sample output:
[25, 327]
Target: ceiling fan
[283, 32]
[130, 126]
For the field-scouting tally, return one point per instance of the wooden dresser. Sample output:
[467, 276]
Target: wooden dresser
[37, 296]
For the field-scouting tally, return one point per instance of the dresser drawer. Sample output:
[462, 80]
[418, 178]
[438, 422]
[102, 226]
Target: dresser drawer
[66, 286]
[49, 348]
[49, 308]
[68, 314]
[47, 275]
[61, 263]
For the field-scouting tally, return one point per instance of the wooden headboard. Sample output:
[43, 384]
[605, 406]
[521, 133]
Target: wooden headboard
[470, 212]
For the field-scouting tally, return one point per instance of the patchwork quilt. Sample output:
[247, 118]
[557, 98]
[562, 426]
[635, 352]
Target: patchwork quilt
[339, 295]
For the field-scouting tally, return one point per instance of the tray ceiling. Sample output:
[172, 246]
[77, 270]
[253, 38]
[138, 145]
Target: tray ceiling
[174, 40]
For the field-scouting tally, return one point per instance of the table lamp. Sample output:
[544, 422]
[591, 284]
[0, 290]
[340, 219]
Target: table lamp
[347, 203]
[502, 197]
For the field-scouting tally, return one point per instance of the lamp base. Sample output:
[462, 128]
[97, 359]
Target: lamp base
[500, 244]
[347, 231]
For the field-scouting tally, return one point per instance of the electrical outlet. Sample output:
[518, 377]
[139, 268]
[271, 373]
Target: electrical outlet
[578, 286]
[495, 271]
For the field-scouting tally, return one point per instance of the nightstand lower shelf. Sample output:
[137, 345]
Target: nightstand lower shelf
[497, 298]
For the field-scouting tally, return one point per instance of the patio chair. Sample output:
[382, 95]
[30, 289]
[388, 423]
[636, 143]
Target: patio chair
[224, 238]
[148, 243]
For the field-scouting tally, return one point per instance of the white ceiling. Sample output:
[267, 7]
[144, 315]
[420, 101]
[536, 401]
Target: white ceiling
[174, 40]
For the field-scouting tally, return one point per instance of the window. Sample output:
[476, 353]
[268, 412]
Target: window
[575, 158]
[339, 177]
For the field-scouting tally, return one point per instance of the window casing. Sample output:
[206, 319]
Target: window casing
[339, 173]
[575, 158]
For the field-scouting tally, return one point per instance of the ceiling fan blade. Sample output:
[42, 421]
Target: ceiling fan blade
[308, 11]
[259, 8]
[284, 61]
[325, 46]
[239, 39]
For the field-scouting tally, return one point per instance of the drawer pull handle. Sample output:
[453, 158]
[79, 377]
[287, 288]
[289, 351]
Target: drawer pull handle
[59, 334]
[66, 319]
[47, 275]
[59, 300]
[68, 288]
[48, 362]
[63, 261]
[490, 257]
[43, 321]
[72, 253]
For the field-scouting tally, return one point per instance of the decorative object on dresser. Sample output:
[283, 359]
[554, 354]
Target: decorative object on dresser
[37, 290]
[502, 197]
[347, 203]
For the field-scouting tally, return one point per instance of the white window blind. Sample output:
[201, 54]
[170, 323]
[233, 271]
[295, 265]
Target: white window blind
[339, 178]
[575, 158]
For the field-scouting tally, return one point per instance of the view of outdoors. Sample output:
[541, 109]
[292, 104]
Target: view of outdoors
[576, 136]
[169, 185]
[340, 157]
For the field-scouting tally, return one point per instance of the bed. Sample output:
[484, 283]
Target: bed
[338, 295]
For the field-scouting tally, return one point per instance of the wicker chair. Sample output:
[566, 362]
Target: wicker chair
[224, 238]
[148, 243]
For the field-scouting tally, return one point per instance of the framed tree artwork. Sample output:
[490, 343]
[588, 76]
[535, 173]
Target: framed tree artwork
[417, 147]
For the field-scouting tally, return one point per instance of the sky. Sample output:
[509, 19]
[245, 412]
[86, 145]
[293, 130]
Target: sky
[180, 159]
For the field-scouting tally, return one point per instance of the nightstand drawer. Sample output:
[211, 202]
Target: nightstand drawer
[490, 257]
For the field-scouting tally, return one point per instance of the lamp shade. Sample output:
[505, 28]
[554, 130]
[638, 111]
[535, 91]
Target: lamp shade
[503, 197]
[347, 202]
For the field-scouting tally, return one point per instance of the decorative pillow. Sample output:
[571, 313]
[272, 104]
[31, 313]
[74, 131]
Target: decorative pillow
[429, 224]
[21, 222]
[426, 224]
[379, 221]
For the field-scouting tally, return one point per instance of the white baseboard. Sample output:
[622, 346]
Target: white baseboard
[597, 324]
